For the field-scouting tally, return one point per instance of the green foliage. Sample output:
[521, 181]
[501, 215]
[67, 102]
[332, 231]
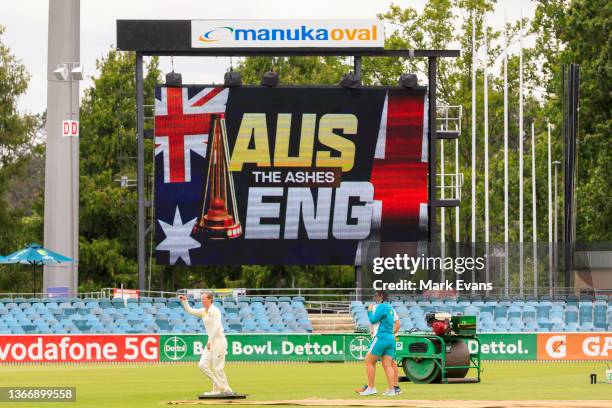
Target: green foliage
[108, 147]
[18, 146]
[579, 32]
[295, 70]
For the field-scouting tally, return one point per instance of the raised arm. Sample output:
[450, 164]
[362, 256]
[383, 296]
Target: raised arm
[189, 309]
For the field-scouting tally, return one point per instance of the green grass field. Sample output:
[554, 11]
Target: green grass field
[155, 385]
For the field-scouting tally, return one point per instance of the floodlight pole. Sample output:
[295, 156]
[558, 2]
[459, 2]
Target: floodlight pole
[140, 170]
[61, 221]
[521, 157]
[506, 245]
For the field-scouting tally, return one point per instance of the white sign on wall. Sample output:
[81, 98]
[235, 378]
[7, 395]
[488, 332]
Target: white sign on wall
[70, 128]
[287, 34]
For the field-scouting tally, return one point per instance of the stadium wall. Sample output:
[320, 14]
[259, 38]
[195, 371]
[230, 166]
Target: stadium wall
[154, 348]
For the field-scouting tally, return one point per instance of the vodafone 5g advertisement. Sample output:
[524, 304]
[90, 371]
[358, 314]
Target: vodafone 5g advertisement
[79, 348]
[292, 175]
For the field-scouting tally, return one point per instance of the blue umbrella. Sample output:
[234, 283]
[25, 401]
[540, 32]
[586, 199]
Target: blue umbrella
[34, 254]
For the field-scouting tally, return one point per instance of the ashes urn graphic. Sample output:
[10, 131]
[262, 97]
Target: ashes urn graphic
[219, 216]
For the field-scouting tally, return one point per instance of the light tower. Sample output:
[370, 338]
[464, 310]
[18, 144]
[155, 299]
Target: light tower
[62, 144]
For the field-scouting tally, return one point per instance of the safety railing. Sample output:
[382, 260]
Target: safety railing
[448, 121]
[450, 185]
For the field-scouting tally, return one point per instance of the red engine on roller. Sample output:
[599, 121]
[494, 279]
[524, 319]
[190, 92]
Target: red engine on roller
[439, 322]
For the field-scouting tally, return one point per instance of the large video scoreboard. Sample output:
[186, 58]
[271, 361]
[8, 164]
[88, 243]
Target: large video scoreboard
[288, 175]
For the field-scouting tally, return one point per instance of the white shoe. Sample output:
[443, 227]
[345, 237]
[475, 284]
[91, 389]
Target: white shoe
[368, 391]
[390, 393]
[213, 392]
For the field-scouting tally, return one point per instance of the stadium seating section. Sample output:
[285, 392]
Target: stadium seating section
[149, 315]
[586, 313]
[288, 315]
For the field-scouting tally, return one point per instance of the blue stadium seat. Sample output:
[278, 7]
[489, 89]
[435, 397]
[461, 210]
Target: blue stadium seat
[173, 303]
[105, 305]
[599, 309]
[571, 299]
[487, 308]
[529, 312]
[585, 312]
[471, 310]
[571, 314]
[600, 321]
[514, 311]
[557, 312]
[543, 311]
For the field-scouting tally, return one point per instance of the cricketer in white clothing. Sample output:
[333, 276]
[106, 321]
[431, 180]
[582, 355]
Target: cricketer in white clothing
[212, 362]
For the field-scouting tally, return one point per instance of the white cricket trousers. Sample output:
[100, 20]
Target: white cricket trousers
[212, 364]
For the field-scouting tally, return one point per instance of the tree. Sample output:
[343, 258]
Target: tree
[108, 148]
[294, 70]
[579, 32]
[18, 143]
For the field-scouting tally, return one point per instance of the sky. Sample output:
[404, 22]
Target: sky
[26, 29]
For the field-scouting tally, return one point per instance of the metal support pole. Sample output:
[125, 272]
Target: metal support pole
[442, 195]
[457, 191]
[432, 149]
[521, 243]
[357, 66]
[550, 215]
[556, 225]
[506, 231]
[473, 169]
[432, 156]
[140, 170]
[442, 211]
[534, 217]
[486, 135]
[569, 230]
